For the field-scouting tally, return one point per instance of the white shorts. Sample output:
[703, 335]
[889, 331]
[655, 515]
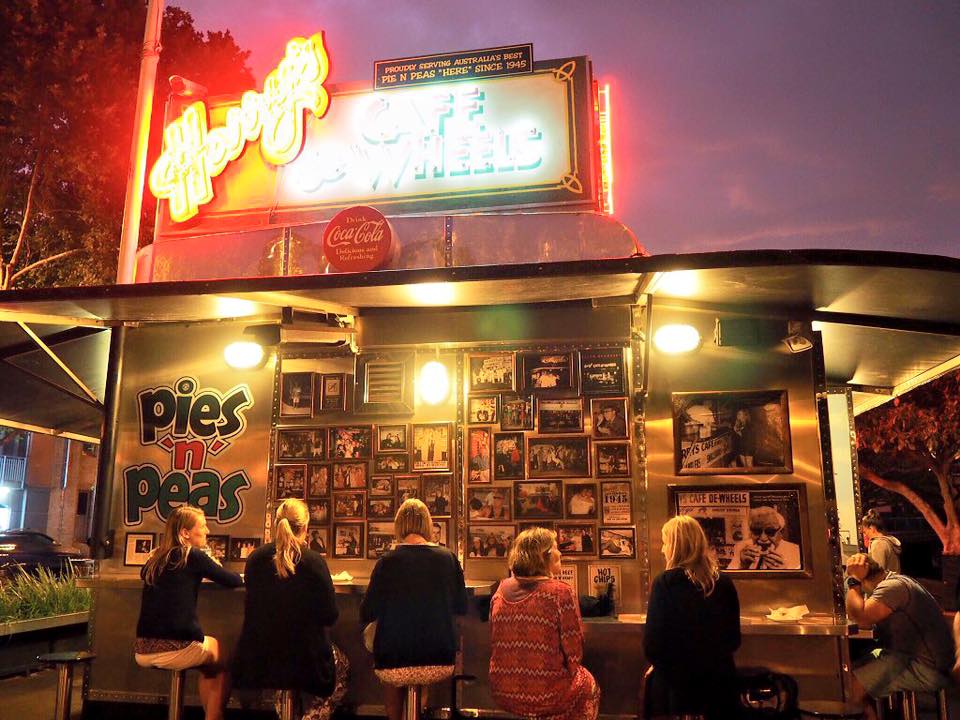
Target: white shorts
[194, 655]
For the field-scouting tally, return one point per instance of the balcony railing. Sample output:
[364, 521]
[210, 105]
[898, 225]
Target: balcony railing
[13, 470]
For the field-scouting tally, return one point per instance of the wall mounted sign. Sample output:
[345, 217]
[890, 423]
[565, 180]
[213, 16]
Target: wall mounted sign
[358, 239]
[444, 67]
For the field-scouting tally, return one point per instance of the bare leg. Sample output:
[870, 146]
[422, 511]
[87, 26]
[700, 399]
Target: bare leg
[214, 684]
[393, 698]
[859, 694]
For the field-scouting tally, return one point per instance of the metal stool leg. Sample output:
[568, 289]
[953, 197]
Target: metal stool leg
[909, 705]
[286, 704]
[64, 688]
[411, 707]
[943, 712]
[175, 709]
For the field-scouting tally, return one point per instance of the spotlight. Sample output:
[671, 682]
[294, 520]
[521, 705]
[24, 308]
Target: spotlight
[434, 384]
[243, 355]
[676, 339]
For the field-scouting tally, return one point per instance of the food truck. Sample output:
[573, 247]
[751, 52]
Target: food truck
[357, 295]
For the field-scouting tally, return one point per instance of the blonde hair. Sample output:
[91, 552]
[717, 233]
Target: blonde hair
[291, 520]
[184, 517]
[530, 554]
[413, 518]
[685, 546]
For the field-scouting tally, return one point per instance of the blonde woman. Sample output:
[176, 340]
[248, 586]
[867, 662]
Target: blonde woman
[415, 591]
[168, 631]
[290, 606]
[692, 630]
[537, 637]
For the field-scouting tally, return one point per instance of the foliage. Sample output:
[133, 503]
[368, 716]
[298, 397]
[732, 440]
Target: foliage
[41, 594]
[68, 84]
[915, 438]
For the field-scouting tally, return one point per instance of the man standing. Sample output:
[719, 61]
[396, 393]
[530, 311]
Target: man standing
[916, 648]
[885, 549]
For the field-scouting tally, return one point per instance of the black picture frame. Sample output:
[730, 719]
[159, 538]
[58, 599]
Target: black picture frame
[241, 547]
[350, 442]
[516, 412]
[137, 548]
[538, 500]
[392, 439]
[303, 445]
[296, 394]
[558, 456]
[479, 452]
[581, 501]
[491, 372]
[549, 372]
[290, 481]
[559, 415]
[348, 540]
[509, 453]
[602, 372]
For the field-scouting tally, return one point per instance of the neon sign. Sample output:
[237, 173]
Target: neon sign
[193, 154]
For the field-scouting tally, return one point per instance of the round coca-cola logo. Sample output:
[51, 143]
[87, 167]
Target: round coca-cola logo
[358, 239]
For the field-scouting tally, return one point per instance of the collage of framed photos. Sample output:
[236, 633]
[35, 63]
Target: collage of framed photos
[354, 477]
[547, 444]
[223, 548]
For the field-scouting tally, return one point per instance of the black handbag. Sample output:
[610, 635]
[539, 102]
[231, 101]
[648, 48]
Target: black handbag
[767, 695]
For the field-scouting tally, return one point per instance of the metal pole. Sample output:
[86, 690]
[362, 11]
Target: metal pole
[101, 543]
[64, 684]
[132, 205]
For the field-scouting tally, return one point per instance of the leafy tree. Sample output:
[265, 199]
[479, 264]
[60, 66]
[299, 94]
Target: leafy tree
[68, 83]
[914, 442]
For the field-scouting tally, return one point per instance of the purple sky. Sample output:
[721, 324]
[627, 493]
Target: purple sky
[737, 125]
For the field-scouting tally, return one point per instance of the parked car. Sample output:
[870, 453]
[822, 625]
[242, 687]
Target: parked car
[29, 550]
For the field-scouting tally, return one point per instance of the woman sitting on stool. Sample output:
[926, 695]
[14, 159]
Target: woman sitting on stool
[537, 637]
[289, 608]
[415, 590]
[168, 631]
[692, 630]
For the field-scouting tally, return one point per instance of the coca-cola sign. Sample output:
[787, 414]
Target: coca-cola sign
[358, 239]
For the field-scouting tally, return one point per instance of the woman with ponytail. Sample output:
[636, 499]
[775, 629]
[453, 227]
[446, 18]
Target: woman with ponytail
[290, 606]
[168, 631]
[692, 630]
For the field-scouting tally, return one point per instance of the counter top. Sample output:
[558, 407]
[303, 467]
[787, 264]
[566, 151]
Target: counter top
[813, 624]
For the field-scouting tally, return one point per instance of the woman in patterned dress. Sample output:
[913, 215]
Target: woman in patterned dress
[537, 637]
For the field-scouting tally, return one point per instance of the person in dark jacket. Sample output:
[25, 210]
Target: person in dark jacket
[415, 591]
[168, 630]
[692, 630]
[290, 606]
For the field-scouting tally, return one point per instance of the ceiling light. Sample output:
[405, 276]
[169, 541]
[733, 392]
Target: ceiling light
[243, 355]
[434, 383]
[676, 339]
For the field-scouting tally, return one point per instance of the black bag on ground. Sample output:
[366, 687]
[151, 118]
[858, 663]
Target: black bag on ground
[767, 695]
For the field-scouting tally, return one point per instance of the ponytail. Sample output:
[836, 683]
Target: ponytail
[292, 519]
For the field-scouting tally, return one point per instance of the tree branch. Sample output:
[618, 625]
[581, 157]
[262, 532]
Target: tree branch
[6, 279]
[918, 502]
[44, 261]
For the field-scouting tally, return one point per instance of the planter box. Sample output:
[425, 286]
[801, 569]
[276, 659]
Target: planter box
[21, 641]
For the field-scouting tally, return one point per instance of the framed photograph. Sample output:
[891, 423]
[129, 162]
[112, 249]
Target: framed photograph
[516, 412]
[349, 505]
[330, 395]
[296, 394]
[618, 542]
[301, 445]
[408, 486]
[488, 504]
[438, 494]
[241, 547]
[491, 372]
[548, 371]
[609, 418]
[538, 499]
[441, 532]
[318, 539]
[379, 539]
[580, 501]
[392, 439]
[349, 476]
[318, 481]
[755, 529]
[382, 485]
[602, 372]
[138, 548]
[391, 464]
[291, 481]
[559, 415]
[529, 524]
[431, 447]
[616, 502]
[490, 541]
[381, 508]
[550, 457]
[478, 454]
[612, 459]
[577, 539]
[732, 433]
[351, 443]
[348, 540]
[508, 456]
[319, 511]
[219, 547]
[482, 409]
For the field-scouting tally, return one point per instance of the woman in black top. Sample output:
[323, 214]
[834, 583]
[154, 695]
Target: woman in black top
[692, 630]
[415, 590]
[290, 605]
[168, 631]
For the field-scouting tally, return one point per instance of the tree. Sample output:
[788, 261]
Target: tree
[68, 83]
[906, 445]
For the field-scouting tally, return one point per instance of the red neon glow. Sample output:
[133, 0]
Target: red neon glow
[193, 154]
[606, 150]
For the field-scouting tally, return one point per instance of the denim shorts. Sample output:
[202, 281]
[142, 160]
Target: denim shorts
[884, 672]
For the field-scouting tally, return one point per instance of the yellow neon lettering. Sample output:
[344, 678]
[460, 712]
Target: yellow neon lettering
[193, 154]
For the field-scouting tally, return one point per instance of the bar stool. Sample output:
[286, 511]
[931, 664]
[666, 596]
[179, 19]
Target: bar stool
[414, 679]
[831, 710]
[175, 704]
[287, 703]
[64, 662]
[909, 704]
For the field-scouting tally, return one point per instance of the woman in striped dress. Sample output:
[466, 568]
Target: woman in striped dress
[537, 638]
